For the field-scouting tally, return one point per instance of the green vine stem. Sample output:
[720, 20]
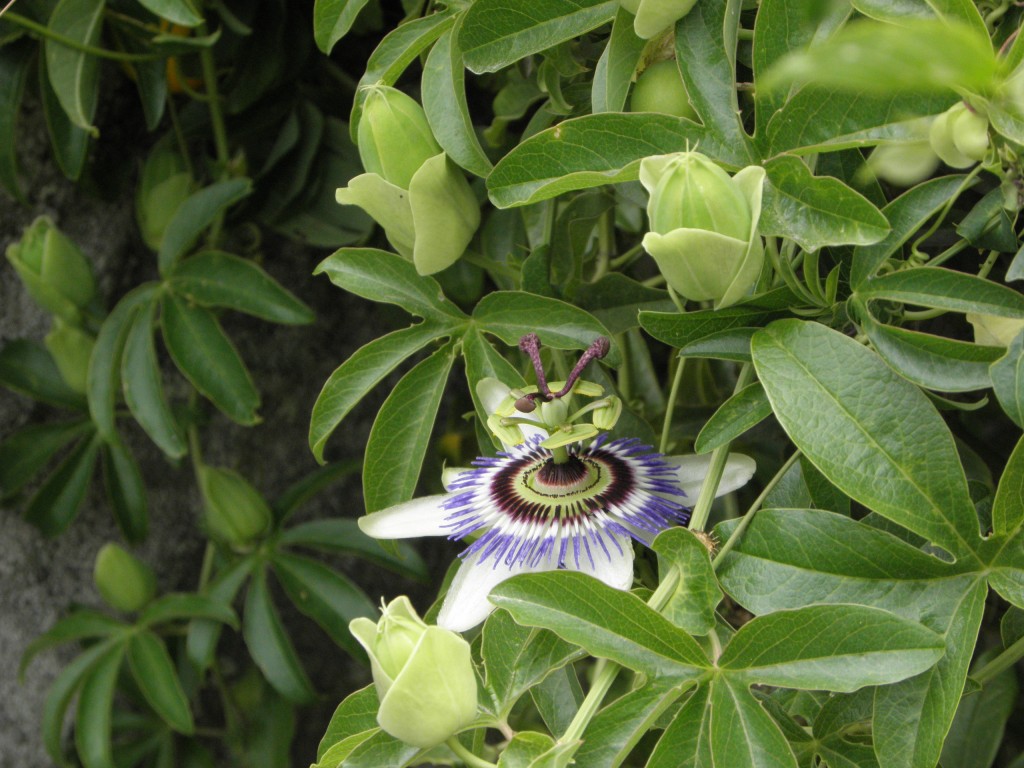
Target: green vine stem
[1001, 663]
[748, 518]
[49, 34]
[702, 509]
[464, 754]
[670, 406]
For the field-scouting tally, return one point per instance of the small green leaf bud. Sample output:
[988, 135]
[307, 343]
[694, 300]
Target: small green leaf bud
[55, 272]
[124, 582]
[653, 16]
[163, 186]
[423, 674]
[394, 136]
[235, 512]
[71, 349]
[703, 225]
[661, 89]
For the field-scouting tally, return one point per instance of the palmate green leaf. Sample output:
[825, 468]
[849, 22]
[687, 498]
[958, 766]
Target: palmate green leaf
[692, 605]
[104, 379]
[977, 730]
[706, 53]
[906, 215]
[1008, 507]
[741, 412]
[126, 490]
[83, 623]
[385, 277]
[208, 359]
[75, 74]
[203, 634]
[399, 48]
[604, 621]
[143, 385]
[510, 315]
[816, 210]
[516, 658]
[496, 33]
[732, 344]
[25, 452]
[933, 362]
[194, 215]
[354, 378]
[332, 19]
[179, 606]
[357, 713]
[783, 26]
[872, 433]
[15, 60]
[613, 74]
[830, 647]
[963, 11]
[342, 536]
[617, 728]
[324, 595]
[175, 11]
[911, 718]
[944, 289]
[444, 101]
[154, 673]
[94, 714]
[819, 118]
[558, 698]
[56, 502]
[269, 646]
[216, 279]
[27, 367]
[381, 749]
[524, 748]
[593, 150]
[917, 55]
[401, 432]
[1007, 375]
[722, 724]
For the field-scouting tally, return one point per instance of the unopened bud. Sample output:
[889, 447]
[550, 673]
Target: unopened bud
[124, 582]
[661, 89]
[394, 136]
[55, 272]
[235, 512]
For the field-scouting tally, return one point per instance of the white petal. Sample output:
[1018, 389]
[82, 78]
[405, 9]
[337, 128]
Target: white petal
[692, 470]
[419, 517]
[466, 603]
[449, 475]
[616, 572]
[491, 392]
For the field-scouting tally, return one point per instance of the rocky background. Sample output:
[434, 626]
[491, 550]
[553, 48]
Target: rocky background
[41, 578]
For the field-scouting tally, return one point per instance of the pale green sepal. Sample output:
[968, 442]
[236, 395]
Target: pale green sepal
[653, 16]
[445, 214]
[653, 168]
[695, 262]
[571, 434]
[387, 204]
[365, 632]
[746, 275]
[434, 696]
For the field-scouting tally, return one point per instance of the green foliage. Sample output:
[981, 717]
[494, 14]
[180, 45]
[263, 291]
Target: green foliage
[861, 606]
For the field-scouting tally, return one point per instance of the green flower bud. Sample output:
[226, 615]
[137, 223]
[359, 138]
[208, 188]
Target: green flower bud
[55, 272]
[959, 136]
[124, 582]
[163, 186]
[993, 331]
[423, 674]
[432, 222]
[903, 164]
[71, 349]
[394, 136]
[235, 512]
[653, 16]
[703, 225]
[661, 89]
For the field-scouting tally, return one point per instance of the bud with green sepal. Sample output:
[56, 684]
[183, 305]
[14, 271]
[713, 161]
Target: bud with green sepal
[164, 185]
[235, 512]
[55, 272]
[71, 348]
[660, 88]
[418, 196]
[654, 16]
[703, 223]
[959, 136]
[423, 675]
[124, 582]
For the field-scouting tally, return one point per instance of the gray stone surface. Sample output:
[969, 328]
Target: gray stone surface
[41, 578]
